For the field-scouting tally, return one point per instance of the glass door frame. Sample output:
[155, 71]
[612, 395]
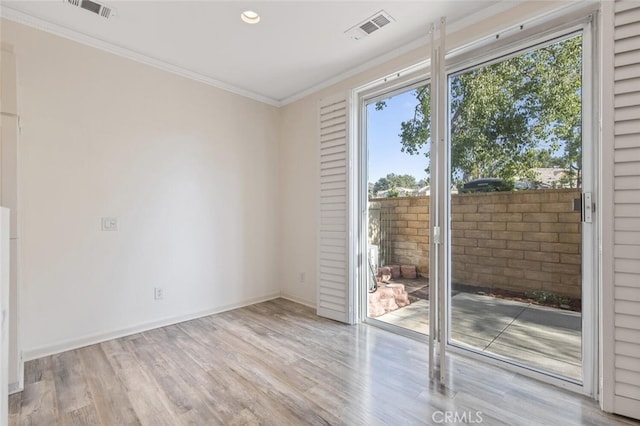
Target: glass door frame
[394, 84]
[465, 57]
[492, 54]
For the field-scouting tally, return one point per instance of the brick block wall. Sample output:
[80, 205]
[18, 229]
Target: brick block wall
[520, 241]
[407, 221]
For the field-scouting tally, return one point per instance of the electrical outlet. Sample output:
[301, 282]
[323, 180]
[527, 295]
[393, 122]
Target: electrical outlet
[109, 224]
[303, 277]
[158, 293]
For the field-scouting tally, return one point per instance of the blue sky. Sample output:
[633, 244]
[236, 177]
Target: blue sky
[383, 128]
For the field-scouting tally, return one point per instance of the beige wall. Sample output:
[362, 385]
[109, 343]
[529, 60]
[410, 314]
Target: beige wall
[9, 198]
[190, 171]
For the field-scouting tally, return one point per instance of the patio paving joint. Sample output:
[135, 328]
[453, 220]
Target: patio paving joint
[524, 308]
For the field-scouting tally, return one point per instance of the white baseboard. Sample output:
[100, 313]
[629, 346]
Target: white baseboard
[67, 345]
[15, 388]
[298, 300]
[18, 386]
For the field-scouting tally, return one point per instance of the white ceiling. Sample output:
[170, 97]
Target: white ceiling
[298, 46]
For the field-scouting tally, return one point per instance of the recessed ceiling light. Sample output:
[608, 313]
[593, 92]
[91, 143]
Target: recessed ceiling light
[250, 17]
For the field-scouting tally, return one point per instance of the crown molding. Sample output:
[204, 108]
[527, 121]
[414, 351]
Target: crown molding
[23, 18]
[420, 42]
[423, 41]
[20, 17]
[408, 47]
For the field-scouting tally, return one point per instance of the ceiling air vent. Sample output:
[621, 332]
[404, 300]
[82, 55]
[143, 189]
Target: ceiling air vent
[369, 25]
[94, 7]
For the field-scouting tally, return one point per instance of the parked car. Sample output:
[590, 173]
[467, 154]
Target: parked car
[485, 185]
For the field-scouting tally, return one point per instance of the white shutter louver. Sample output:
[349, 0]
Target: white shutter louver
[333, 239]
[627, 209]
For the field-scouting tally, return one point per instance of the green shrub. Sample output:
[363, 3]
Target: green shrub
[547, 297]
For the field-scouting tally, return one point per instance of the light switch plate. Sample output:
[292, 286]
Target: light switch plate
[109, 224]
[158, 293]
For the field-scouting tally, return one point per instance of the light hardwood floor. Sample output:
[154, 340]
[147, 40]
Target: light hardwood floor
[278, 363]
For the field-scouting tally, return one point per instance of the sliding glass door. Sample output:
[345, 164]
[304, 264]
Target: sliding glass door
[397, 214]
[516, 172]
[498, 213]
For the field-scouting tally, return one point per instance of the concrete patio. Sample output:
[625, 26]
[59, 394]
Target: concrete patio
[537, 336]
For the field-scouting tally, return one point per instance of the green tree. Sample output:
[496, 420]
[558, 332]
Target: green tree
[393, 181]
[509, 117]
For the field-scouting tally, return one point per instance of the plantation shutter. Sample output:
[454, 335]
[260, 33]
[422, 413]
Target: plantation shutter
[627, 209]
[333, 239]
